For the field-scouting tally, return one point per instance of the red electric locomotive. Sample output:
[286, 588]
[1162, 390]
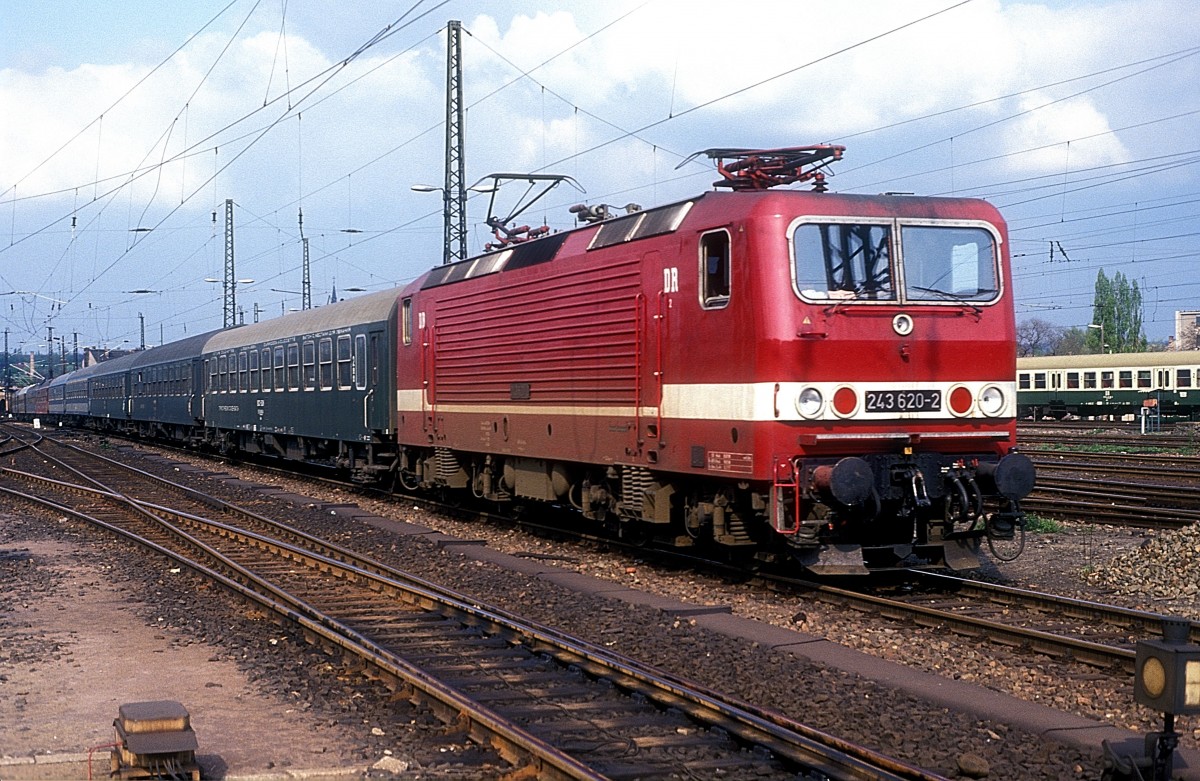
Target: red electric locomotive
[830, 376]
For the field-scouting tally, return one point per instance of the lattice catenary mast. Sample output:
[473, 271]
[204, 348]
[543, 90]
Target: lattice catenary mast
[454, 194]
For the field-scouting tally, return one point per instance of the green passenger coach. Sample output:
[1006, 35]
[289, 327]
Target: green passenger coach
[1166, 383]
[313, 386]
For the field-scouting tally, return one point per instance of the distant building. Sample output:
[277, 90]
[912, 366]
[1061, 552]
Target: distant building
[95, 355]
[1187, 331]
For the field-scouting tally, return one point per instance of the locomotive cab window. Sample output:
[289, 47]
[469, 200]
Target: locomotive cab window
[842, 262]
[939, 264]
[714, 270]
[946, 263]
[406, 321]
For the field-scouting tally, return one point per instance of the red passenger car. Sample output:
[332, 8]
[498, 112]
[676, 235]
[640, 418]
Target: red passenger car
[830, 376]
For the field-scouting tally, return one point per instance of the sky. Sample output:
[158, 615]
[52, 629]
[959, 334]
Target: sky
[125, 126]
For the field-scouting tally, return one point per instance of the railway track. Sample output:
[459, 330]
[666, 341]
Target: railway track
[1144, 490]
[1063, 627]
[549, 703]
[1097, 436]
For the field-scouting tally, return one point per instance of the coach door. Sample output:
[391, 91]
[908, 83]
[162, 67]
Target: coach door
[370, 375]
[195, 389]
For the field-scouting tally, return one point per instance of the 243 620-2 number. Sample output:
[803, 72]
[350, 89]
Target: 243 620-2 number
[903, 401]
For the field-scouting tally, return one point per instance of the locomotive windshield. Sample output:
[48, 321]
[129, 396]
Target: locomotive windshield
[843, 261]
[865, 262]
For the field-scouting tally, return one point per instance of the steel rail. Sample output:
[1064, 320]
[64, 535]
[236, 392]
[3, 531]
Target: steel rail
[1074, 607]
[1039, 640]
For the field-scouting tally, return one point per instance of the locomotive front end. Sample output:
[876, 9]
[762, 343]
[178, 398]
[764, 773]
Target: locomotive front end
[895, 434]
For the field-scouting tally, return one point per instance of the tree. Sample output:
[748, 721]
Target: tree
[1073, 341]
[1035, 336]
[1117, 315]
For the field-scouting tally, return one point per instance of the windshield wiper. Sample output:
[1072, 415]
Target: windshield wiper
[946, 295]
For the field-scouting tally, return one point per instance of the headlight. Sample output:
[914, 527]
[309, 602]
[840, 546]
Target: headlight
[809, 402]
[991, 401]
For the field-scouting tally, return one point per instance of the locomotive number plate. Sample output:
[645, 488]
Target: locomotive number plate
[903, 401]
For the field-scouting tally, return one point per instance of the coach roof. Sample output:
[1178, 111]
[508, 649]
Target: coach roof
[371, 308]
[1109, 360]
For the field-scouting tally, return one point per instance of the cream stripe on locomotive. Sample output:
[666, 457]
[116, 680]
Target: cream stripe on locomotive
[784, 401]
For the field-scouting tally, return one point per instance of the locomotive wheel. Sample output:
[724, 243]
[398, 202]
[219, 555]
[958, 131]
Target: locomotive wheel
[635, 533]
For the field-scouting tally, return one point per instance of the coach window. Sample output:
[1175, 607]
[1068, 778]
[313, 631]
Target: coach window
[293, 372]
[325, 361]
[211, 365]
[266, 369]
[1183, 378]
[714, 270]
[223, 374]
[280, 369]
[254, 371]
[1089, 380]
[345, 367]
[843, 262]
[1039, 381]
[406, 320]
[310, 365]
[374, 360]
[1143, 378]
[1073, 380]
[1023, 381]
[360, 361]
[243, 372]
[1125, 379]
[1106, 380]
